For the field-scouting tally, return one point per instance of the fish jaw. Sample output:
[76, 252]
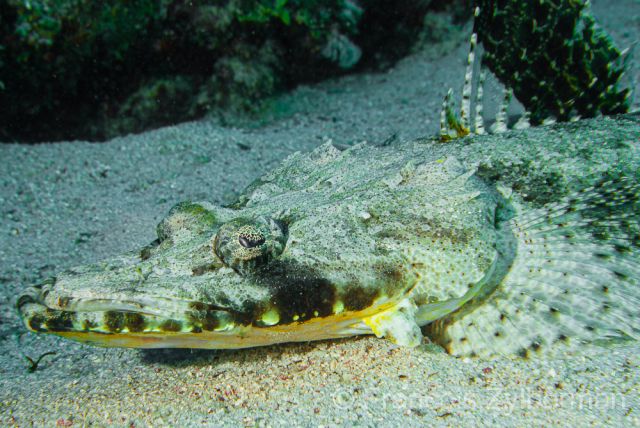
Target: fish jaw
[139, 329]
[106, 305]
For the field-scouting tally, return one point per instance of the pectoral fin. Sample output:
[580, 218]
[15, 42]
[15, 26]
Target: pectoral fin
[575, 279]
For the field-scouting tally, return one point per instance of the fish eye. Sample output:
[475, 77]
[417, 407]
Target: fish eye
[250, 238]
[248, 244]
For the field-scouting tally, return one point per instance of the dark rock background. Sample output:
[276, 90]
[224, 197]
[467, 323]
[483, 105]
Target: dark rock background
[88, 70]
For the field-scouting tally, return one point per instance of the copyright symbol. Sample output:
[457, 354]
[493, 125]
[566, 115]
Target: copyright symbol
[343, 399]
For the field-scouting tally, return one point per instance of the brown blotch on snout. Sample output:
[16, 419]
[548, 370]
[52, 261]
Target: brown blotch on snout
[171, 326]
[114, 321]
[58, 320]
[135, 323]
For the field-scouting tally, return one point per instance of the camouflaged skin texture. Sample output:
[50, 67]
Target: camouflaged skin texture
[360, 228]
[553, 56]
[365, 227]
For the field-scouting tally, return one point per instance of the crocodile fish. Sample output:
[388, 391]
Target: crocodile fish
[488, 244]
[514, 243]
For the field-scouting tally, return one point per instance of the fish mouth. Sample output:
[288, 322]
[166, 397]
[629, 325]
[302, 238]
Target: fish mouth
[137, 321]
[156, 322]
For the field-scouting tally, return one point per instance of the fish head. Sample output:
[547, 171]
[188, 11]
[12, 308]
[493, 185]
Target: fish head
[312, 250]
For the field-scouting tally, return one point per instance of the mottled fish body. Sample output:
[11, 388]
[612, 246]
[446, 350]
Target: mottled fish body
[488, 244]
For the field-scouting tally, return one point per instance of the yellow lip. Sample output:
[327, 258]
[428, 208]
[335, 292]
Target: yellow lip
[344, 324]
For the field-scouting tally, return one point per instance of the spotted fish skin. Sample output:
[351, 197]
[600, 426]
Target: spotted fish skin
[385, 240]
[554, 57]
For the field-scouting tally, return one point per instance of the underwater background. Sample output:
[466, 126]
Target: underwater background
[111, 113]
